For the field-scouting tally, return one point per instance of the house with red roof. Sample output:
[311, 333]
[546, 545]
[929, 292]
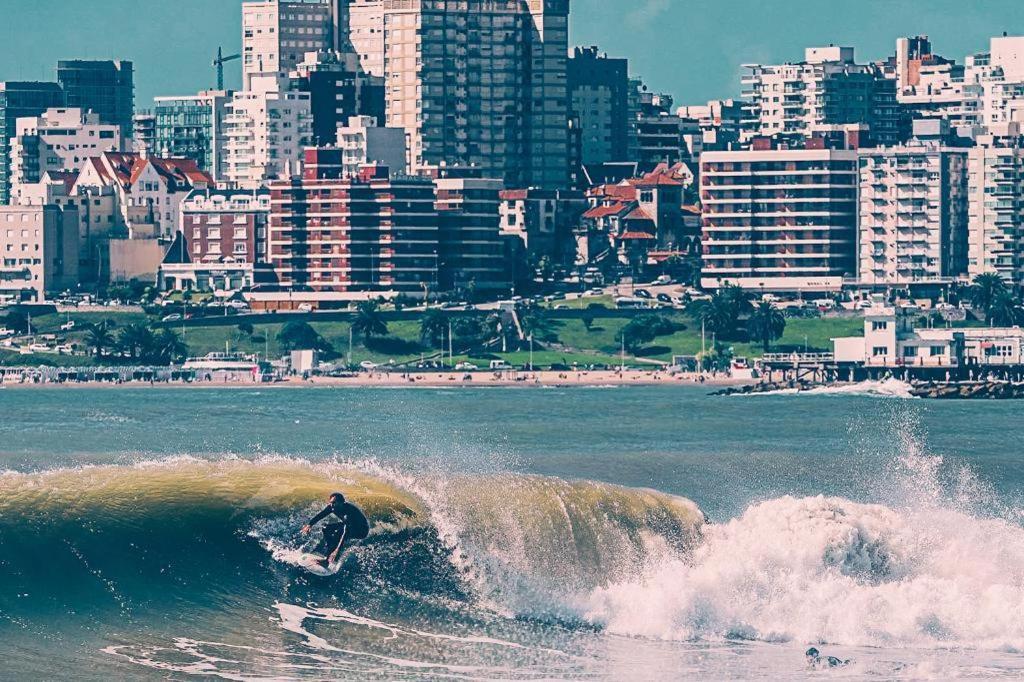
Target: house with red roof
[626, 222]
[149, 190]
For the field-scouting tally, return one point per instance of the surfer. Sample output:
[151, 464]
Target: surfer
[353, 526]
[817, 661]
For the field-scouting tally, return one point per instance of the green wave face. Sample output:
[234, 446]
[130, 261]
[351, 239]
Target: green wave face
[134, 539]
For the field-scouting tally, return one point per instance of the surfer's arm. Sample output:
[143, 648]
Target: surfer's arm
[316, 519]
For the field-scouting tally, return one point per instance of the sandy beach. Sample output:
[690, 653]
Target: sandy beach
[432, 379]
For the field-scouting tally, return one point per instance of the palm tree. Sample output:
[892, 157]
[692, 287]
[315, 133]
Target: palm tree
[1004, 310]
[99, 338]
[168, 348]
[766, 324]
[369, 322]
[135, 340]
[721, 315]
[433, 328]
[986, 290]
[535, 322]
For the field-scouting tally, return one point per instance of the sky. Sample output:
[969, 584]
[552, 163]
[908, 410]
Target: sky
[692, 49]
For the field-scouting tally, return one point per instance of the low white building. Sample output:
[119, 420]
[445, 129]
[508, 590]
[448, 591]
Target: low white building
[891, 342]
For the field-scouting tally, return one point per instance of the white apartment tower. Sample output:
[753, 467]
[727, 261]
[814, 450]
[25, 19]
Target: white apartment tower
[481, 83]
[266, 129]
[276, 34]
[779, 219]
[996, 207]
[360, 30]
[913, 213]
[58, 140]
[827, 88]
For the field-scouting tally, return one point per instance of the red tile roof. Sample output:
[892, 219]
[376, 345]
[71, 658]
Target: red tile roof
[638, 214]
[513, 194]
[604, 211]
[636, 235]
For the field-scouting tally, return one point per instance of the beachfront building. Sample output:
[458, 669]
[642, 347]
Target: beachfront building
[192, 127]
[334, 238]
[38, 252]
[779, 219]
[266, 128]
[996, 206]
[542, 220]
[57, 140]
[626, 223]
[223, 237]
[891, 342]
[471, 255]
[913, 210]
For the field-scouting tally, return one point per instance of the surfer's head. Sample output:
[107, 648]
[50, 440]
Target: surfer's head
[337, 498]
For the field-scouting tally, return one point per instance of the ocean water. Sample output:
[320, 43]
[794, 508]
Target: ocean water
[640, 533]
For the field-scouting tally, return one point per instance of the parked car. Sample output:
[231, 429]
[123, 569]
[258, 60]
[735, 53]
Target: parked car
[642, 293]
[173, 317]
[367, 365]
[466, 367]
[664, 298]
[306, 307]
[67, 326]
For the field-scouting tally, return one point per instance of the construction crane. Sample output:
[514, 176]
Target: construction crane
[219, 63]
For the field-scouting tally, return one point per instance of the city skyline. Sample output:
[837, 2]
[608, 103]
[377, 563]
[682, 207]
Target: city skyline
[153, 40]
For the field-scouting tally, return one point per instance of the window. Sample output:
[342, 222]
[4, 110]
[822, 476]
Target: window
[879, 326]
[879, 351]
[910, 351]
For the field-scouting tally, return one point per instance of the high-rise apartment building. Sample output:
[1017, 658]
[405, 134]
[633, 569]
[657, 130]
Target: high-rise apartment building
[266, 129]
[193, 127]
[334, 238]
[913, 211]
[779, 218]
[471, 255]
[276, 35]
[106, 88]
[360, 31]
[19, 100]
[996, 207]
[143, 131]
[827, 88]
[481, 83]
[599, 96]
[338, 90]
[58, 140]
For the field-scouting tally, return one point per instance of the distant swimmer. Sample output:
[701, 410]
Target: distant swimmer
[353, 526]
[818, 662]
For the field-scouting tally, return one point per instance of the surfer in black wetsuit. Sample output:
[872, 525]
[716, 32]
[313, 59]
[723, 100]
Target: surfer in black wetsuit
[353, 526]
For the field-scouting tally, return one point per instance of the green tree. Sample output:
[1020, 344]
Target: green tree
[135, 340]
[986, 290]
[246, 328]
[433, 328]
[99, 338]
[535, 322]
[643, 329]
[297, 335]
[766, 324]
[1004, 310]
[721, 315]
[17, 321]
[369, 322]
[167, 348]
[588, 319]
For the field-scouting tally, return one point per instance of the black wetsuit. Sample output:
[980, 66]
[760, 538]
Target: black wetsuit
[353, 526]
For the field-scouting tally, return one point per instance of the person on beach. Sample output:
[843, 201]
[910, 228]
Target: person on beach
[352, 525]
